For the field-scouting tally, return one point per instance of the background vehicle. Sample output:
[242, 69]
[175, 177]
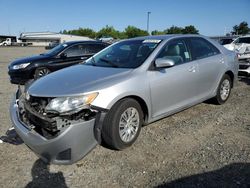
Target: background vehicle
[106, 39]
[241, 46]
[64, 55]
[128, 84]
[225, 41]
[8, 42]
[236, 44]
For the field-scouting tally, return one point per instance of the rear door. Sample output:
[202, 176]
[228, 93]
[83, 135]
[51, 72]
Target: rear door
[210, 63]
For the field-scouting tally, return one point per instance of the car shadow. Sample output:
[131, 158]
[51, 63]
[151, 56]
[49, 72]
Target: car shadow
[11, 137]
[42, 177]
[233, 175]
[245, 80]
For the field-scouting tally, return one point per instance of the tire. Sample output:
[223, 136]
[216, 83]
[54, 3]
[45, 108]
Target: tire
[40, 72]
[223, 90]
[117, 133]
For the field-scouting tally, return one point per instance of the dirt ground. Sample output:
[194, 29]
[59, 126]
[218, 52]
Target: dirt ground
[204, 146]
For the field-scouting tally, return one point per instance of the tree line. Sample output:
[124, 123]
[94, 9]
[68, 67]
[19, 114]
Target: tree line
[241, 29]
[132, 31]
[129, 32]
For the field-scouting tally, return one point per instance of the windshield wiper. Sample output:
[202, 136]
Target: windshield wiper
[109, 62]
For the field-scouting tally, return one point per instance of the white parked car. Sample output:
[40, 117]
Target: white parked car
[241, 45]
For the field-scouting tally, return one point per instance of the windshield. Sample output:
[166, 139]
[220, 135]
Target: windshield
[57, 49]
[125, 54]
[242, 40]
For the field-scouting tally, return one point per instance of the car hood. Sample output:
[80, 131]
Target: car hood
[76, 80]
[229, 46]
[30, 59]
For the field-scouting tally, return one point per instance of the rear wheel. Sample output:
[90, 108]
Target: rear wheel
[122, 124]
[224, 90]
[40, 72]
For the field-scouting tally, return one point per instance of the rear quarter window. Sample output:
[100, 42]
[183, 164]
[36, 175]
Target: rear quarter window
[201, 48]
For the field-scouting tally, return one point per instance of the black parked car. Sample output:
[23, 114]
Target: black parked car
[61, 56]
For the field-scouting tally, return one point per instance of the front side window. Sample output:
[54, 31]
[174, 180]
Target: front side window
[57, 49]
[125, 54]
[201, 48]
[94, 48]
[175, 50]
[76, 50]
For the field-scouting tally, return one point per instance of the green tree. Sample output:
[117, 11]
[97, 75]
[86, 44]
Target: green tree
[156, 32]
[235, 30]
[65, 31]
[174, 30]
[190, 30]
[122, 35]
[132, 31]
[241, 29]
[108, 31]
[87, 32]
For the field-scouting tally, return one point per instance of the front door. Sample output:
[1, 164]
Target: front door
[72, 55]
[175, 87]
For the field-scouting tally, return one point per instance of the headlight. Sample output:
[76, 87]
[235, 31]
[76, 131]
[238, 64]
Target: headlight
[21, 66]
[70, 105]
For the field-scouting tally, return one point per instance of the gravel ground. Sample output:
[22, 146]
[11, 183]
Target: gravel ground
[204, 146]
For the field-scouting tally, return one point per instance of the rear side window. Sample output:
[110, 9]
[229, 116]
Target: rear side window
[201, 48]
[175, 50]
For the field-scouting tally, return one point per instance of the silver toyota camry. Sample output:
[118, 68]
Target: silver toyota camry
[107, 99]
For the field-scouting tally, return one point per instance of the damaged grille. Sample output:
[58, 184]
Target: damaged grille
[243, 66]
[32, 112]
[38, 104]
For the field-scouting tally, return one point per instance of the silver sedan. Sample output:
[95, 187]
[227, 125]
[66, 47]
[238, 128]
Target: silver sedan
[107, 99]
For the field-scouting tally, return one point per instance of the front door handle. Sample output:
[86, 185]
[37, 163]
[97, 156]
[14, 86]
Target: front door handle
[222, 60]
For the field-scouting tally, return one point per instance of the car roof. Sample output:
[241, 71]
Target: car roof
[165, 37]
[84, 41]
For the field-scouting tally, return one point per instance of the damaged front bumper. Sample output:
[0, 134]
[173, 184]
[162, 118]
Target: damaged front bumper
[244, 68]
[68, 146]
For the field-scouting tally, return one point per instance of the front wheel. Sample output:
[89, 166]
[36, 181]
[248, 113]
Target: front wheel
[224, 90]
[122, 124]
[40, 72]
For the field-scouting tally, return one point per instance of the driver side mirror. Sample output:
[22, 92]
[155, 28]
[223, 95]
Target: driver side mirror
[164, 63]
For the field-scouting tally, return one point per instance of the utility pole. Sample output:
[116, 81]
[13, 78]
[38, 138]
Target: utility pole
[148, 23]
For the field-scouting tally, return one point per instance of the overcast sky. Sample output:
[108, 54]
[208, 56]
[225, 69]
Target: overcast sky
[210, 17]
